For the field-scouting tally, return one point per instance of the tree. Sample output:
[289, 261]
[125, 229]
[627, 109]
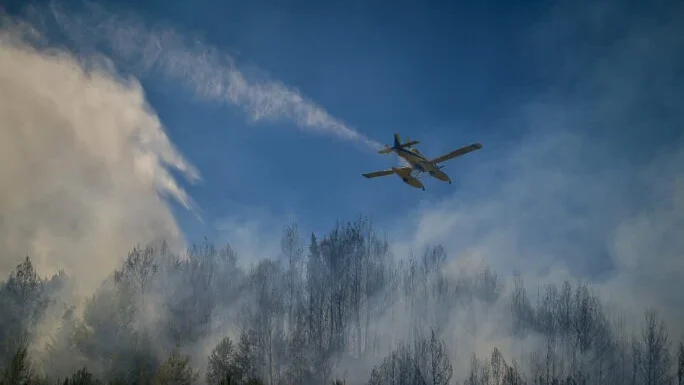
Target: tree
[247, 361]
[399, 368]
[635, 349]
[299, 320]
[138, 268]
[176, 370]
[521, 309]
[680, 363]
[299, 362]
[22, 304]
[293, 253]
[513, 377]
[425, 362]
[19, 370]
[221, 363]
[107, 333]
[81, 377]
[498, 367]
[655, 351]
[191, 300]
[433, 360]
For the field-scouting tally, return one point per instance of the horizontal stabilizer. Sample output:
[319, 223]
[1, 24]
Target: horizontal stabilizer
[398, 144]
[410, 143]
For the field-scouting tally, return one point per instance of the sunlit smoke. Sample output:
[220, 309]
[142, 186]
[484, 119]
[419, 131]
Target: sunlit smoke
[84, 162]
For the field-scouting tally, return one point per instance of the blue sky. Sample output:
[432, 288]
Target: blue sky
[442, 74]
[576, 106]
[381, 72]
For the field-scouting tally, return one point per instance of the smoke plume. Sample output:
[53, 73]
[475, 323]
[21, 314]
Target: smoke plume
[84, 161]
[207, 72]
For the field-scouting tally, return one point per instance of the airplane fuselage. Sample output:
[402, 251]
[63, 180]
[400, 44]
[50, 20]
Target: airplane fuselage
[420, 163]
[417, 162]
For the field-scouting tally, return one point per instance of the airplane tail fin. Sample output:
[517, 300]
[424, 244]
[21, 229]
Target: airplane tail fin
[397, 145]
[397, 141]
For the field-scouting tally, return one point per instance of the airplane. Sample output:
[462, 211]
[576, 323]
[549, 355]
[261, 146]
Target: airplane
[418, 163]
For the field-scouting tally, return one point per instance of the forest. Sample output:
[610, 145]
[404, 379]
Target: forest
[337, 308]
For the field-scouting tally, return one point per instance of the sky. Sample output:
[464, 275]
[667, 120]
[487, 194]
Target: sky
[269, 113]
[408, 70]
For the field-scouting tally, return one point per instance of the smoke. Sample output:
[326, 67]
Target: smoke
[84, 161]
[94, 156]
[207, 72]
[594, 189]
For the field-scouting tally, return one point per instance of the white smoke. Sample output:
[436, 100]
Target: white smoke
[84, 160]
[206, 71]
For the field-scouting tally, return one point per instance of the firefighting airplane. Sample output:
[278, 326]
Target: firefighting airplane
[418, 163]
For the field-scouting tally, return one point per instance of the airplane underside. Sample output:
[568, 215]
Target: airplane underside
[408, 178]
[412, 177]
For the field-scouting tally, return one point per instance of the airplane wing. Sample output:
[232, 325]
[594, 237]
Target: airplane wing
[455, 153]
[390, 171]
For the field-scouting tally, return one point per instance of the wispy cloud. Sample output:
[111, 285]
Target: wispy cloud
[204, 69]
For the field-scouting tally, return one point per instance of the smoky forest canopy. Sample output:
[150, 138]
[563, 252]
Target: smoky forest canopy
[339, 308]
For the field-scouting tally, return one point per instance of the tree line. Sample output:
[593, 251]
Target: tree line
[339, 309]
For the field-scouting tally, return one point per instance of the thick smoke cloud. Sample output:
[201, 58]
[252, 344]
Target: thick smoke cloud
[84, 162]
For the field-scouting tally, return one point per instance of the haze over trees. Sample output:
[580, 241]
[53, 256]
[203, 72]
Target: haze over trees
[339, 307]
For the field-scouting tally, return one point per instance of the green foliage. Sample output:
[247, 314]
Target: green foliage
[19, 371]
[22, 303]
[222, 367]
[246, 359]
[176, 370]
[81, 377]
